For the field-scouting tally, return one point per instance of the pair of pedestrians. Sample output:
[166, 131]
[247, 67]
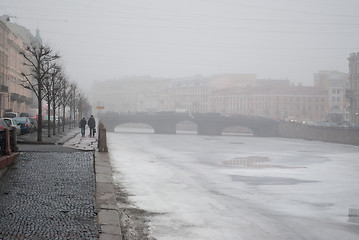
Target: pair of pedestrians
[92, 125]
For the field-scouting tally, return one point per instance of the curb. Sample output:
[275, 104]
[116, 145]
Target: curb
[108, 213]
[6, 161]
[35, 143]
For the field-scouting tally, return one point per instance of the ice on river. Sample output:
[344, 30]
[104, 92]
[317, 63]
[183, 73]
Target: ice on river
[233, 187]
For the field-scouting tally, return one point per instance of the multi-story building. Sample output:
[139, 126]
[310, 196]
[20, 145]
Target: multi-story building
[229, 94]
[292, 102]
[353, 92]
[336, 84]
[13, 39]
[187, 95]
[193, 94]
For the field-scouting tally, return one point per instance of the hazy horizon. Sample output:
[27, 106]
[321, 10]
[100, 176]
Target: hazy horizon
[279, 39]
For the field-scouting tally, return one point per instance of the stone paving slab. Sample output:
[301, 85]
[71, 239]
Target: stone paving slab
[109, 216]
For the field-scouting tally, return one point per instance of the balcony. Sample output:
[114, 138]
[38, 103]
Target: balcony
[4, 88]
[22, 98]
[14, 97]
[29, 100]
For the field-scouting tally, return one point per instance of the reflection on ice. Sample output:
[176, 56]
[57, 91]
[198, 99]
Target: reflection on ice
[253, 162]
[268, 180]
[353, 215]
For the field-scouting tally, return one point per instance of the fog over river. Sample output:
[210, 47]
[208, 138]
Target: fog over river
[239, 187]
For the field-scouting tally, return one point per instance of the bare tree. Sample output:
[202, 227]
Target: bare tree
[50, 91]
[56, 89]
[81, 103]
[39, 60]
[65, 99]
[72, 103]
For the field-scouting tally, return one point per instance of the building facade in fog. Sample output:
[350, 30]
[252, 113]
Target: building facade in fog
[190, 94]
[297, 103]
[336, 84]
[13, 39]
[186, 95]
[194, 94]
[353, 92]
[128, 94]
[227, 94]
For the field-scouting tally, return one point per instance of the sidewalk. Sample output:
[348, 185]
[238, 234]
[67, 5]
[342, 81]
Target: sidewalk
[60, 138]
[53, 192]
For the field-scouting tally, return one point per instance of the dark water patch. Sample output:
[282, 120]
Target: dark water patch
[353, 215]
[253, 162]
[250, 180]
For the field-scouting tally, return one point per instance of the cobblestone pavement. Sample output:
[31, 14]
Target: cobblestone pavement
[49, 195]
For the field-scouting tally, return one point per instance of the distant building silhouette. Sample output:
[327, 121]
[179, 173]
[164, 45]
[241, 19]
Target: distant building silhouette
[353, 92]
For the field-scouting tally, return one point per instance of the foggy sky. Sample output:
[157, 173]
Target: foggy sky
[278, 39]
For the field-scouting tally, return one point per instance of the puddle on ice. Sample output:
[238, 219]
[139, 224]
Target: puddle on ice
[353, 215]
[267, 180]
[253, 162]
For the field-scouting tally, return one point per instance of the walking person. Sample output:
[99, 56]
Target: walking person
[92, 126]
[82, 125]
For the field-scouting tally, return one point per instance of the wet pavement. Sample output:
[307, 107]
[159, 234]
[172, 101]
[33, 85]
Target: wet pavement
[54, 190]
[49, 195]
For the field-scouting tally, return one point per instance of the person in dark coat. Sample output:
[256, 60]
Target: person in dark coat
[92, 125]
[82, 125]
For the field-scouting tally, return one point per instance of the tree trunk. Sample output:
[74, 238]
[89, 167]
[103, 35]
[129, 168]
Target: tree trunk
[70, 123]
[58, 123]
[48, 119]
[63, 118]
[39, 118]
[54, 116]
[75, 120]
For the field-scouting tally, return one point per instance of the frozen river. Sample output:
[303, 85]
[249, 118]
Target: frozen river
[237, 187]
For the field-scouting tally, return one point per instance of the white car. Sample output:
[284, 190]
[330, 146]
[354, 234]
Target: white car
[13, 124]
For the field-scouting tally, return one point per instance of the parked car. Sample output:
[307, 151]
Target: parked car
[58, 121]
[25, 124]
[3, 124]
[45, 121]
[23, 114]
[12, 123]
[11, 115]
[33, 123]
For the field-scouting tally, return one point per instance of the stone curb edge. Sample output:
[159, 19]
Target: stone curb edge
[108, 211]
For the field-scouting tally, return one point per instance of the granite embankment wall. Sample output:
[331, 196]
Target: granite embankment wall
[319, 133]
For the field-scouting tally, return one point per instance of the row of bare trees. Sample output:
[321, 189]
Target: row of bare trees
[44, 75]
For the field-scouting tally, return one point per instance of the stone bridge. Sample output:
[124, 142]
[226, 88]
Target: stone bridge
[207, 123]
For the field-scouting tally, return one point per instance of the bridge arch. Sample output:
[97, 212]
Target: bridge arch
[237, 130]
[186, 127]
